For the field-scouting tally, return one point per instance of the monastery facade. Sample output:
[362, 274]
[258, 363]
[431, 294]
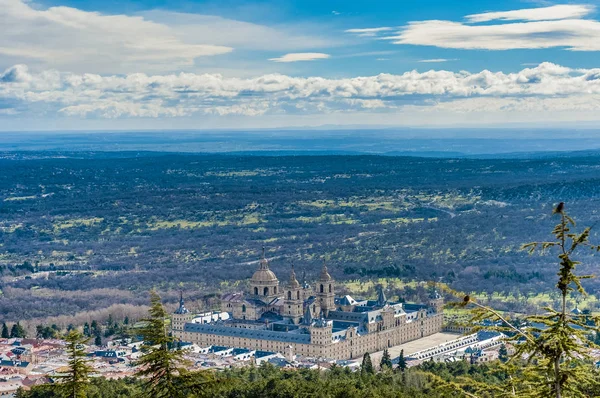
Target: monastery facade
[300, 319]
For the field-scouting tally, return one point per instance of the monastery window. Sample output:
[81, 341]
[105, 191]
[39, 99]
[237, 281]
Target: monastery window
[266, 291]
[289, 295]
[243, 307]
[330, 288]
[275, 290]
[321, 288]
[256, 291]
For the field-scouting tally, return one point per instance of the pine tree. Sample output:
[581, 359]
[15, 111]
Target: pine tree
[401, 362]
[17, 331]
[75, 383]
[5, 333]
[158, 364]
[367, 366]
[98, 340]
[558, 361]
[503, 353]
[386, 361]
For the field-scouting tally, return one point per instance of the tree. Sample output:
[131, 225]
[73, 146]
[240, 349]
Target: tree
[401, 362]
[366, 367]
[75, 383]
[5, 333]
[158, 363]
[558, 362]
[386, 361]
[503, 353]
[98, 340]
[17, 331]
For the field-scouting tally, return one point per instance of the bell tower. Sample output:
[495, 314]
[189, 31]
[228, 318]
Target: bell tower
[181, 316]
[293, 299]
[325, 291]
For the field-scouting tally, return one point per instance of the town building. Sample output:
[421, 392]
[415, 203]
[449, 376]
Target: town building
[294, 318]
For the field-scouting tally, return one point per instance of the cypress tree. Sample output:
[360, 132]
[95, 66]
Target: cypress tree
[367, 366]
[503, 353]
[386, 361]
[401, 362]
[5, 333]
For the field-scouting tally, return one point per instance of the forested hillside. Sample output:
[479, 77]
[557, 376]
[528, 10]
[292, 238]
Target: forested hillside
[83, 231]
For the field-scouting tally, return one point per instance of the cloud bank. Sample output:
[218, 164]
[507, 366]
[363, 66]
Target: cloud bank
[546, 87]
[559, 26]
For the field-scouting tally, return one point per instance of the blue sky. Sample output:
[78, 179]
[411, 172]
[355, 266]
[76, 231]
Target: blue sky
[223, 64]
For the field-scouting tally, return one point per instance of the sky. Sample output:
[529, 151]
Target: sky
[156, 64]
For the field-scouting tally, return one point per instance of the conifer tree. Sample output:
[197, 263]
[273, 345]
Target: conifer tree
[386, 361]
[556, 357]
[159, 364]
[5, 333]
[367, 366]
[503, 353]
[401, 362]
[17, 331]
[75, 383]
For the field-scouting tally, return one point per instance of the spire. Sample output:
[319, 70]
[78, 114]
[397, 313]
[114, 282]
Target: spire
[181, 310]
[307, 320]
[264, 264]
[325, 277]
[381, 299]
[293, 281]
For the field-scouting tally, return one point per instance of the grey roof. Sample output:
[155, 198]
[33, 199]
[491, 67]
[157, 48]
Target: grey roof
[181, 309]
[18, 364]
[260, 334]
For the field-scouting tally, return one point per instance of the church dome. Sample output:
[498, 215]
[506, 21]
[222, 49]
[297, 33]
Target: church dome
[263, 275]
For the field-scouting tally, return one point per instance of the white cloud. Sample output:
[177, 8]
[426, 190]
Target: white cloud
[368, 32]
[544, 28]
[561, 11]
[240, 34]
[546, 88]
[155, 41]
[66, 37]
[436, 60]
[295, 57]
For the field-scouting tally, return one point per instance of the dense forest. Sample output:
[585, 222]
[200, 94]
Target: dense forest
[84, 231]
[268, 381]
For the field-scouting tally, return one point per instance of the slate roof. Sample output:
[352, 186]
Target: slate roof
[18, 364]
[260, 334]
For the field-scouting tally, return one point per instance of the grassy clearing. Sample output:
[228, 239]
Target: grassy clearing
[76, 222]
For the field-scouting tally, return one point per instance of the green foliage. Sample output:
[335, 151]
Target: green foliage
[366, 367]
[503, 353]
[17, 331]
[160, 366]
[552, 353]
[386, 360]
[5, 333]
[401, 362]
[75, 383]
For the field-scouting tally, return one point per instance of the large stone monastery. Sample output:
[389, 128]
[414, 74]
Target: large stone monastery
[307, 320]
